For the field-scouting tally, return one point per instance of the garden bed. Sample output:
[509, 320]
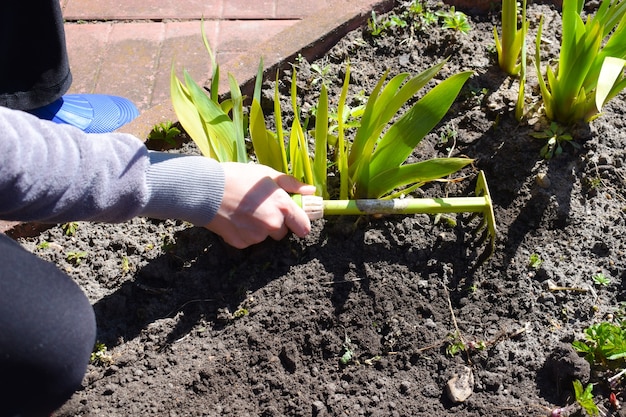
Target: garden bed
[193, 327]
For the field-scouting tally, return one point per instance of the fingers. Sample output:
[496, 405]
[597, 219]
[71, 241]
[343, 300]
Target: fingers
[292, 185]
[256, 204]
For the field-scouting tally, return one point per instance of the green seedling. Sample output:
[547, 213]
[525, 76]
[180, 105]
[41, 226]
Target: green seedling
[348, 353]
[601, 279]
[556, 136]
[164, 131]
[43, 245]
[378, 26]
[455, 20]
[584, 401]
[240, 312]
[513, 41]
[69, 228]
[455, 344]
[125, 265]
[535, 261]
[604, 344]
[584, 397]
[206, 119]
[423, 18]
[75, 257]
[321, 74]
[592, 56]
[317, 208]
[100, 355]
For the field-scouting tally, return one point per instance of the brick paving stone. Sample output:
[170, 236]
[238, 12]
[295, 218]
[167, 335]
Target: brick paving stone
[142, 9]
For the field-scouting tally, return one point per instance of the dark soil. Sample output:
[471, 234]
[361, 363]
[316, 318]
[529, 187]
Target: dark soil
[196, 328]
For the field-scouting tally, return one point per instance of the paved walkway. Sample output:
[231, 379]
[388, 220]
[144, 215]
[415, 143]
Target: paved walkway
[128, 47]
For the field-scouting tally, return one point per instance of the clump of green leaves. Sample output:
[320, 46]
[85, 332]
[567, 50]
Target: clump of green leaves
[455, 344]
[604, 344]
[454, 20]
[69, 228]
[422, 17]
[513, 41]
[43, 245]
[379, 25]
[555, 135]
[216, 127]
[418, 17]
[100, 355]
[75, 257]
[584, 397]
[584, 401]
[165, 131]
[372, 164]
[601, 279]
[535, 261]
[592, 56]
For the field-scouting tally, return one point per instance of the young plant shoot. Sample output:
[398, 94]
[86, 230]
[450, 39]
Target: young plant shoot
[510, 48]
[205, 119]
[591, 60]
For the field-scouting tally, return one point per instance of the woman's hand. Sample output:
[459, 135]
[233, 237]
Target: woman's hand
[256, 204]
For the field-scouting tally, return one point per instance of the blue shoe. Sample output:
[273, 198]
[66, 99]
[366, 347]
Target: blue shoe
[92, 113]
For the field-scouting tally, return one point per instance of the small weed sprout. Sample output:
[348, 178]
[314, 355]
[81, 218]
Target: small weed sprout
[164, 131]
[455, 344]
[378, 26]
[125, 265]
[69, 228]
[556, 135]
[584, 400]
[423, 18]
[601, 279]
[43, 245]
[240, 313]
[535, 261]
[348, 353]
[100, 355]
[321, 74]
[75, 257]
[455, 20]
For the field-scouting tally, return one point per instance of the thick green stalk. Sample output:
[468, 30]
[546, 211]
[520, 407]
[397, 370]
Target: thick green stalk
[406, 206]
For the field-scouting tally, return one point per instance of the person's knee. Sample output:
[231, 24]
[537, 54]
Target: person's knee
[47, 333]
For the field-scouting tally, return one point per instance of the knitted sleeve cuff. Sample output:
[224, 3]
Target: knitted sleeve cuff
[188, 188]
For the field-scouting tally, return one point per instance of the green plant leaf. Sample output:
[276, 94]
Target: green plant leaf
[266, 147]
[188, 115]
[341, 146]
[404, 135]
[611, 71]
[417, 173]
[320, 170]
[570, 93]
[215, 76]
[220, 128]
[381, 109]
[237, 120]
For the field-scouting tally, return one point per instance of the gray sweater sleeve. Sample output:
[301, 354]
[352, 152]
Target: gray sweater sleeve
[56, 173]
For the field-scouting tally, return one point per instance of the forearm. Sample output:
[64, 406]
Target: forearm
[55, 173]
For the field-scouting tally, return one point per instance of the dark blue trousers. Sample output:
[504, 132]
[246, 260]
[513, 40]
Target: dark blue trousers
[47, 333]
[34, 67]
